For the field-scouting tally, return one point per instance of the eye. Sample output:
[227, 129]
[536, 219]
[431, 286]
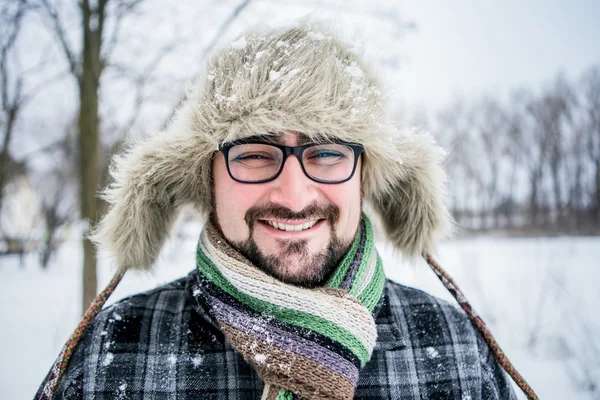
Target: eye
[323, 154]
[253, 156]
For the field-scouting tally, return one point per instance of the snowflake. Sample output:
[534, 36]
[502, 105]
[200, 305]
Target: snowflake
[239, 44]
[196, 361]
[316, 36]
[260, 358]
[108, 360]
[274, 75]
[431, 352]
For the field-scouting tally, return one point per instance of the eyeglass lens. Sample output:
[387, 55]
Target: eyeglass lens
[255, 162]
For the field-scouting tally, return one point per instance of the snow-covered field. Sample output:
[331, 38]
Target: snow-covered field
[539, 296]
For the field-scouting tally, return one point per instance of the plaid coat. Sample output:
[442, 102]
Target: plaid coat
[161, 345]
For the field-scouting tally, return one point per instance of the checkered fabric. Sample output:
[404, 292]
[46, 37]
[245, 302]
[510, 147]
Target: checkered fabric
[162, 345]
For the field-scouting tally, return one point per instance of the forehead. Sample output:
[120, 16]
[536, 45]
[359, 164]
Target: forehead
[286, 137]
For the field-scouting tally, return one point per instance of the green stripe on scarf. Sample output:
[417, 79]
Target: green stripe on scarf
[366, 259]
[285, 395]
[340, 273]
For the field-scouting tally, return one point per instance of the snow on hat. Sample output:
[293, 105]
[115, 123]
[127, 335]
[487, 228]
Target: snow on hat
[294, 79]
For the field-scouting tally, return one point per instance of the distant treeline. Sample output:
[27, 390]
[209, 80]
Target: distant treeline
[528, 163]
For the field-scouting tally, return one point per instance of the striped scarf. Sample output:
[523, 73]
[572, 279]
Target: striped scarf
[303, 343]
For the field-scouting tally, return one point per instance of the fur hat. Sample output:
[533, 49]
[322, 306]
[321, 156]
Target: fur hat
[294, 79]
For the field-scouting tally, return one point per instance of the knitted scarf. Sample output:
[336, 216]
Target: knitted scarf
[303, 343]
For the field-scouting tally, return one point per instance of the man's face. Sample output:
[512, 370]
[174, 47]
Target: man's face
[246, 212]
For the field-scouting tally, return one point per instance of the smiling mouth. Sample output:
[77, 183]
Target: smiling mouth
[291, 228]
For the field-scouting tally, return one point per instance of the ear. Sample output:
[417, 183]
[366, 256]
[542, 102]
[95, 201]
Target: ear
[149, 185]
[410, 194]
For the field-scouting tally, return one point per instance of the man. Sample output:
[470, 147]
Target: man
[278, 146]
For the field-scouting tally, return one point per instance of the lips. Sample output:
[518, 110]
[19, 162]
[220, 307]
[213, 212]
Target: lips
[289, 227]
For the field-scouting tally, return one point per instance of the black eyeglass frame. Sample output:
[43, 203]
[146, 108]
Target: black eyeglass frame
[287, 151]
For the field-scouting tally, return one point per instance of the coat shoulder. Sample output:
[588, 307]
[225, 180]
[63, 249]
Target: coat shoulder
[420, 303]
[438, 333]
[149, 298]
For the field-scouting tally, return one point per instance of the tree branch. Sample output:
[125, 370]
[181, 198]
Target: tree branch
[14, 24]
[42, 85]
[141, 81]
[41, 64]
[62, 37]
[123, 9]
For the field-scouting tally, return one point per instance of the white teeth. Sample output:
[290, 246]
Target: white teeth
[292, 228]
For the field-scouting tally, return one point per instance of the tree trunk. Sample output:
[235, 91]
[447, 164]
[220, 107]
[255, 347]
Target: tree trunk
[576, 209]
[88, 174]
[4, 157]
[557, 218]
[597, 192]
[89, 144]
[510, 210]
[533, 199]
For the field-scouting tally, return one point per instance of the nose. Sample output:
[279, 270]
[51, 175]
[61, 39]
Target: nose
[293, 189]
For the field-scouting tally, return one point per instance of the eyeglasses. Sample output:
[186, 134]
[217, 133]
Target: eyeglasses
[259, 162]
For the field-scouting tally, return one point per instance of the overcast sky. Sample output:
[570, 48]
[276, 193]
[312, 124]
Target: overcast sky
[467, 47]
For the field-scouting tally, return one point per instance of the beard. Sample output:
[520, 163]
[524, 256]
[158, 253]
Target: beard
[294, 263]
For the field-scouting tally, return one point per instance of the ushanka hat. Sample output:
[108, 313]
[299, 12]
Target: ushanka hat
[296, 79]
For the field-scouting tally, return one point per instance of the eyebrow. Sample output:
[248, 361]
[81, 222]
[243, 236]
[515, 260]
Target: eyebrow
[276, 139]
[304, 139]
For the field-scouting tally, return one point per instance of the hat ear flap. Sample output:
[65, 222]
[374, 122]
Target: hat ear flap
[149, 185]
[411, 201]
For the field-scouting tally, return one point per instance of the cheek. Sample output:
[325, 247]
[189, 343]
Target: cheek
[232, 200]
[348, 201]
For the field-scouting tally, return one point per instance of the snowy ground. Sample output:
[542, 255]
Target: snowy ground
[539, 296]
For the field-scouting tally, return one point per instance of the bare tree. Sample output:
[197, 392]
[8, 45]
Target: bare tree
[576, 166]
[19, 83]
[57, 185]
[453, 134]
[490, 123]
[513, 153]
[550, 115]
[535, 151]
[562, 101]
[11, 87]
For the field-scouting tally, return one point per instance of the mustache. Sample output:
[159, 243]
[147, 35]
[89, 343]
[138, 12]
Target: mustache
[330, 212]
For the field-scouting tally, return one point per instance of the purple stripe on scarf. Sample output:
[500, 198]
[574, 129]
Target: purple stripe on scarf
[266, 332]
